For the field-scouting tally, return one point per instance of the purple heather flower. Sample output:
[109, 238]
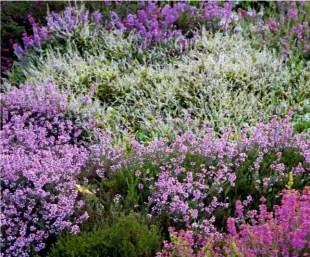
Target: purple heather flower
[97, 16]
[108, 26]
[75, 229]
[131, 19]
[57, 18]
[37, 40]
[114, 17]
[292, 13]
[18, 49]
[142, 3]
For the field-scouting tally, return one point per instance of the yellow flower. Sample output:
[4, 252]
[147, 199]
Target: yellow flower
[83, 189]
[290, 181]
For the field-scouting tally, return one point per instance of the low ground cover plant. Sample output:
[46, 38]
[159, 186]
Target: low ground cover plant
[127, 236]
[158, 129]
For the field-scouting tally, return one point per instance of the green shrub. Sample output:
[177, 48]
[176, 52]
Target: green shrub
[302, 126]
[126, 184]
[128, 236]
[301, 118]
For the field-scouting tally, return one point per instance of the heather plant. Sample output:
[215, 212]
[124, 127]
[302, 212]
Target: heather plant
[220, 82]
[14, 23]
[161, 23]
[152, 23]
[38, 162]
[20, 19]
[283, 232]
[131, 235]
[197, 181]
[44, 151]
[111, 49]
[283, 25]
[79, 26]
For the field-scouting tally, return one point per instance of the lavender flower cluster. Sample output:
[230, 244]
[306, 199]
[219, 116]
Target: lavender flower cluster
[191, 196]
[151, 24]
[58, 26]
[154, 23]
[42, 156]
[158, 24]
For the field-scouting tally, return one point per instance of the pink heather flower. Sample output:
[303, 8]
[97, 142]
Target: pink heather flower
[97, 16]
[231, 226]
[140, 186]
[40, 159]
[75, 229]
[239, 209]
[273, 25]
[138, 173]
[292, 13]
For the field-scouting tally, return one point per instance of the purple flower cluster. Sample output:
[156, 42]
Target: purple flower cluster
[38, 169]
[190, 196]
[158, 24]
[288, 28]
[43, 154]
[151, 23]
[284, 232]
[58, 26]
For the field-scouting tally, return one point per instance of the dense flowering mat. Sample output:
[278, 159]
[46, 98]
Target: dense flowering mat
[158, 129]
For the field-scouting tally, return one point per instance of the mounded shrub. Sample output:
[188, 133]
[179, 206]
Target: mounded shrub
[127, 236]
[45, 149]
[40, 155]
